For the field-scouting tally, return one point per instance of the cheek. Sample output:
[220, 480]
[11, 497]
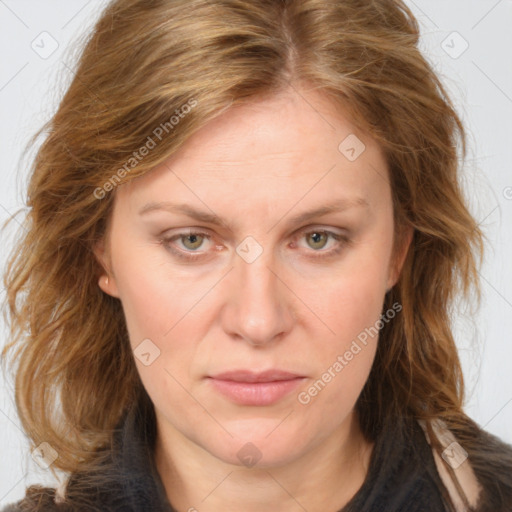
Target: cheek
[352, 309]
[144, 307]
[161, 306]
[160, 323]
[350, 304]
[154, 298]
[351, 298]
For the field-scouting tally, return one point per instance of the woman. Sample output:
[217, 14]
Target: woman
[244, 237]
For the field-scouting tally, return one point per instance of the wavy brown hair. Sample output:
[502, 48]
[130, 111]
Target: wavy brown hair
[144, 60]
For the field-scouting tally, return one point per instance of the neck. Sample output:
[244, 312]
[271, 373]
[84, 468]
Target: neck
[322, 479]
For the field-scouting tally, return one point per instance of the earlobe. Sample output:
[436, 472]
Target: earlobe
[106, 281]
[108, 285]
[399, 258]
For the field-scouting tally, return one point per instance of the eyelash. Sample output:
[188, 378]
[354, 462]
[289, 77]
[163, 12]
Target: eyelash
[192, 256]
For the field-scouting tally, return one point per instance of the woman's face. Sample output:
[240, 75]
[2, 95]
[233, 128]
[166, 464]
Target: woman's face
[223, 267]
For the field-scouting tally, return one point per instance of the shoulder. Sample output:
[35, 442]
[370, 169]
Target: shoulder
[477, 467]
[15, 507]
[491, 459]
[37, 499]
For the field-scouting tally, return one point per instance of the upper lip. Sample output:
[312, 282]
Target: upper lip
[250, 376]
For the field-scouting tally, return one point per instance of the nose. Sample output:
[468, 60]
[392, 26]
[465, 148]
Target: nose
[259, 308]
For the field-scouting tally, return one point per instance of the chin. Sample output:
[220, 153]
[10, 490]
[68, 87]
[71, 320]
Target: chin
[256, 444]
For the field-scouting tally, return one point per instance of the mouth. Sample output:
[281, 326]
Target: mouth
[245, 387]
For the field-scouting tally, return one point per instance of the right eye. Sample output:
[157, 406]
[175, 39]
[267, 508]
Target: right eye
[190, 242]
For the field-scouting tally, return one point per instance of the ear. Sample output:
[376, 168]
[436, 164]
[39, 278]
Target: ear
[400, 253]
[106, 280]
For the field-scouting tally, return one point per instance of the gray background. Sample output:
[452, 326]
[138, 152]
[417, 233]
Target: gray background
[36, 65]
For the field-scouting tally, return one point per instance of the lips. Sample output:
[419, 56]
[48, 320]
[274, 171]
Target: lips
[249, 376]
[246, 387]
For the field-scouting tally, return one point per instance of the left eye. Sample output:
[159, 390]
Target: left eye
[319, 239]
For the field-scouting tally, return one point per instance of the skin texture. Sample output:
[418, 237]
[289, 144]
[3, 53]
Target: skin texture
[257, 166]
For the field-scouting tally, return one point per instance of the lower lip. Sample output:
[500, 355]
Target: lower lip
[255, 393]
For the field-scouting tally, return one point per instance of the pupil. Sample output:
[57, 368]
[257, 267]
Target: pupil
[317, 237]
[192, 240]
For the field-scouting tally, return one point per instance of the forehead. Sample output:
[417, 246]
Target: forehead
[271, 150]
[288, 125]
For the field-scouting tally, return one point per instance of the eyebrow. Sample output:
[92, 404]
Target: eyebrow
[339, 205]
